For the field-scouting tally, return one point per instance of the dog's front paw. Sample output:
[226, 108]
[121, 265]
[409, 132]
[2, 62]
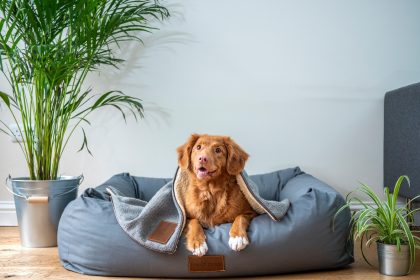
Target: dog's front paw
[238, 243]
[197, 248]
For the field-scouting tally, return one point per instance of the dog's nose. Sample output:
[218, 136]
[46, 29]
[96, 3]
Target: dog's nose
[202, 159]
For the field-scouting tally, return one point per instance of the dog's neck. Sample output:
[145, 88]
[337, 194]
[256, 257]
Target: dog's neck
[211, 197]
[213, 185]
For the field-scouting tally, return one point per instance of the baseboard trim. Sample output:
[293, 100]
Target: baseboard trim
[8, 214]
[360, 206]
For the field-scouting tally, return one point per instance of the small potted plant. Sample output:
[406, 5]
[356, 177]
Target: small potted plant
[47, 49]
[388, 224]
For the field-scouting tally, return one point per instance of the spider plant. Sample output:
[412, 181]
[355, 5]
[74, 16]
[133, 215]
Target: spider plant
[47, 49]
[383, 221]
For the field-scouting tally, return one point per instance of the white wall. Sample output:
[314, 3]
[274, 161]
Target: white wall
[293, 82]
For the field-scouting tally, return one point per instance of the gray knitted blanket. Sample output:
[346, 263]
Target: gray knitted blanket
[141, 220]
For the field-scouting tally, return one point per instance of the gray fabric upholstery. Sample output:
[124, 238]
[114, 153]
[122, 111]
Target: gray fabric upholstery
[402, 138]
[139, 218]
[90, 241]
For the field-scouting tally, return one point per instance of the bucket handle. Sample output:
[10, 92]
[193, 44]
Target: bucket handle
[81, 179]
[9, 188]
[36, 199]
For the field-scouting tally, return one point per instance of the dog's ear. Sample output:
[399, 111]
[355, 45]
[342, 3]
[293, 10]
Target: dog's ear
[184, 151]
[236, 157]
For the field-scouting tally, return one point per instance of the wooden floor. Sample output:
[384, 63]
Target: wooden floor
[17, 262]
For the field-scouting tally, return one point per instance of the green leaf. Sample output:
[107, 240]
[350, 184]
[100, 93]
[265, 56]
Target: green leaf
[397, 188]
[85, 143]
[410, 239]
[382, 221]
[341, 209]
[49, 48]
[363, 252]
[5, 98]
[101, 100]
[4, 131]
[85, 120]
[117, 99]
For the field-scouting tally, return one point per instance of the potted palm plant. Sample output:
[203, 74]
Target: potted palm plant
[47, 48]
[388, 224]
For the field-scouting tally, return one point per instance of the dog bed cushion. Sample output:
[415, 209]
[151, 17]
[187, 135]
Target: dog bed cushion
[90, 240]
[141, 219]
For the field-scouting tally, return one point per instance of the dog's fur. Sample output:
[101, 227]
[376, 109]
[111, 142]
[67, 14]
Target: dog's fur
[213, 196]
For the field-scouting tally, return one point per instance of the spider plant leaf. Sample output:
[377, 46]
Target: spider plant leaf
[358, 201]
[387, 196]
[363, 252]
[341, 209]
[397, 188]
[410, 239]
[410, 201]
[371, 194]
[410, 213]
[383, 221]
[371, 240]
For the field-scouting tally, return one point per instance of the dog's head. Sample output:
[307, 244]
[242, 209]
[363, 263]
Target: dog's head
[211, 156]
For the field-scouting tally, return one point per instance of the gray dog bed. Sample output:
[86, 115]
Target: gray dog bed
[91, 241]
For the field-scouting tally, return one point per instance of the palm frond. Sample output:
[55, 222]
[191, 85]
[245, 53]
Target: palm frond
[85, 143]
[47, 48]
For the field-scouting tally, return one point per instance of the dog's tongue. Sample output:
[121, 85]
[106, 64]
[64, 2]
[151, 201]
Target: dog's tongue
[202, 172]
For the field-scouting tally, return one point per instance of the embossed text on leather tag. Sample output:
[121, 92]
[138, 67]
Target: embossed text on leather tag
[206, 264]
[163, 232]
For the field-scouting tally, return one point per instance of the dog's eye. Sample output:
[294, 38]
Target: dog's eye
[218, 150]
[198, 147]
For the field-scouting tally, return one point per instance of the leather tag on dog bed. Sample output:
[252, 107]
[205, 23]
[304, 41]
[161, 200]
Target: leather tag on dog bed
[163, 232]
[206, 264]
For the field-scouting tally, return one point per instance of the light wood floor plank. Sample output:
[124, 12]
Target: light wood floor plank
[17, 262]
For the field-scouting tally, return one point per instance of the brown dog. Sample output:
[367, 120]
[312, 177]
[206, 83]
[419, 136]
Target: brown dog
[213, 196]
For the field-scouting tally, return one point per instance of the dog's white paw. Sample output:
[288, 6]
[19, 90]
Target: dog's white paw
[238, 243]
[200, 250]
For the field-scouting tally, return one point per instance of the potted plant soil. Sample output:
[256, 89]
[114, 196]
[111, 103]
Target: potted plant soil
[47, 48]
[387, 224]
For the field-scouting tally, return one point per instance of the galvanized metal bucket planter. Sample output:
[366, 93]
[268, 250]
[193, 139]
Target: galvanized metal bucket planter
[39, 205]
[393, 262]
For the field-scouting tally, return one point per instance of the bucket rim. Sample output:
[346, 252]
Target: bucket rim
[390, 245]
[59, 179]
